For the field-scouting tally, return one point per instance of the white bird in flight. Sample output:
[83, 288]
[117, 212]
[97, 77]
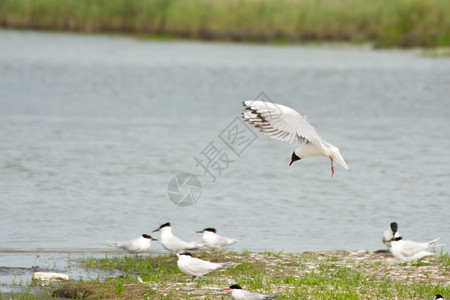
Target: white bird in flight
[390, 233]
[197, 267]
[237, 293]
[214, 241]
[409, 250]
[172, 243]
[283, 123]
[140, 245]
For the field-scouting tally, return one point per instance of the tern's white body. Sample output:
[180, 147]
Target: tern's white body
[240, 294]
[172, 243]
[215, 241]
[388, 236]
[283, 123]
[195, 266]
[139, 245]
[409, 250]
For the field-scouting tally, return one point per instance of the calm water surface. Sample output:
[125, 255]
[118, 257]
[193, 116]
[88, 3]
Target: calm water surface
[93, 128]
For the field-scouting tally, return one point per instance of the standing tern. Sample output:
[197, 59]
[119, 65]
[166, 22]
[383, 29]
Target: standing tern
[172, 243]
[197, 267]
[140, 245]
[237, 293]
[390, 233]
[214, 241]
[283, 123]
[405, 250]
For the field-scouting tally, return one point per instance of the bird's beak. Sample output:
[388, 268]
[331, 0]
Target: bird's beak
[155, 230]
[199, 231]
[227, 289]
[154, 239]
[294, 158]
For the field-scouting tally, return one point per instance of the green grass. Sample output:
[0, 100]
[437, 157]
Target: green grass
[292, 276]
[386, 23]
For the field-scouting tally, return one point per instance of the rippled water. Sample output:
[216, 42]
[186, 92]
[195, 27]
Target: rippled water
[93, 128]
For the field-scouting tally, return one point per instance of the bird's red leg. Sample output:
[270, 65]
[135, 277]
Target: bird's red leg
[332, 168]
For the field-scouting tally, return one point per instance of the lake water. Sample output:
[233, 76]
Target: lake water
[93, 128]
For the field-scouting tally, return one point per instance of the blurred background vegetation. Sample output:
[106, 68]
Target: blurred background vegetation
[400, 23]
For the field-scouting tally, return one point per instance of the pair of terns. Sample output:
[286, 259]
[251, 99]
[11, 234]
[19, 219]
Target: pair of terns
[172, 243]
[198, 267]
[283, 123]
[405, 250]
[210, 239]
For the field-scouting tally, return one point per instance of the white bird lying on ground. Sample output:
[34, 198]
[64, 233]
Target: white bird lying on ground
[172, 243]
[237, 293]
[140, 245]
[197, 267]
[409, 250]
[390, 233]
[283, 123]
[213, 240]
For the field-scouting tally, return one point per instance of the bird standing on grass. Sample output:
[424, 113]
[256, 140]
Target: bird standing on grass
[197, 267]
[237, 293]
[283, 123]
[172, 243]
[140, 245]
[405, 250]
[214, 241]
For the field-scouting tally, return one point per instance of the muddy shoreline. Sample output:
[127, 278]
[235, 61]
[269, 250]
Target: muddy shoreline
[315, 275]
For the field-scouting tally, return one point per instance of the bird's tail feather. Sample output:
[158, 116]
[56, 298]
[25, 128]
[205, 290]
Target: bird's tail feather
[338, 157]
[112, 243]
[434, 241]
[227, 264]
[196, 245]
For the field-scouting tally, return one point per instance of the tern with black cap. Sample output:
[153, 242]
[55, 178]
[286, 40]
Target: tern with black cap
[172, 243]
[197, 267]
[213, 240]
[237, 293]
[141, 244]
[405, 250]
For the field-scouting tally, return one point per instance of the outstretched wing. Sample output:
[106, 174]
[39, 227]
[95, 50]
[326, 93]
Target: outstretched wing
[280, 122]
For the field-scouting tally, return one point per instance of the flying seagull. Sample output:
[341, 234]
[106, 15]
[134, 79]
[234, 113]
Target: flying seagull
[283, 123]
